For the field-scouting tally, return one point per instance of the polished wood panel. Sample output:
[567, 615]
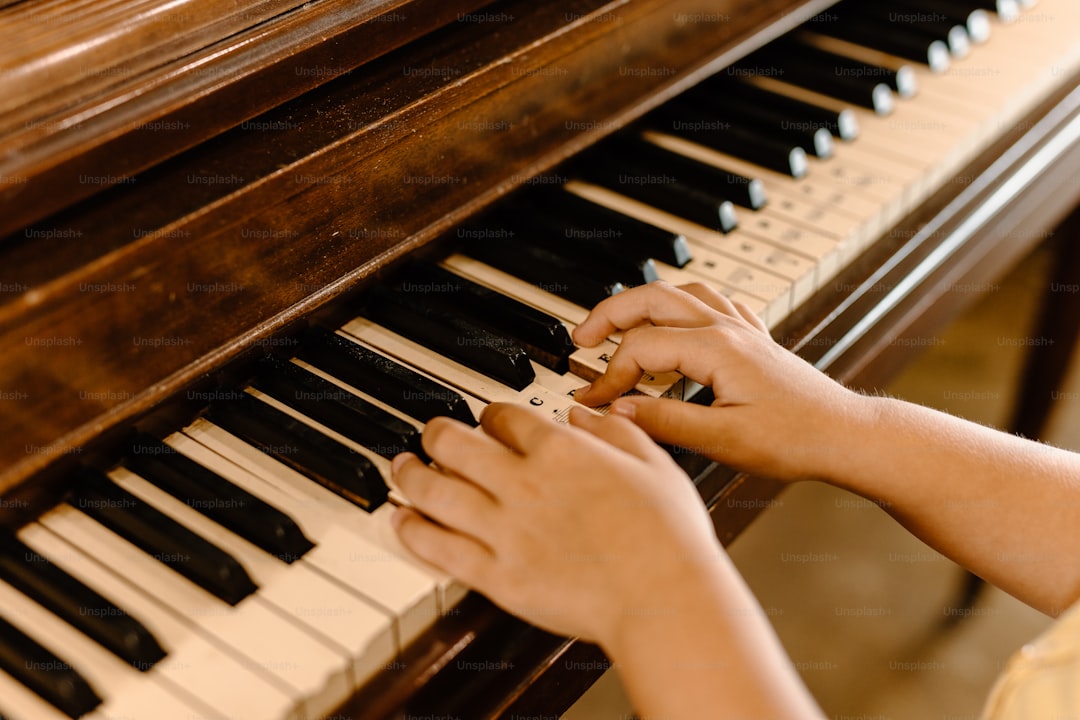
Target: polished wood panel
[161, 94]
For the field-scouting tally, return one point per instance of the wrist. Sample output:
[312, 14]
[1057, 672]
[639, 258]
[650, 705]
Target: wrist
[882, 443]
[682, 603]
[852, 427]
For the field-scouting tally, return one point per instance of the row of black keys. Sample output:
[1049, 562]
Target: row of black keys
[503, 327]
[315, 455]
[723, 113]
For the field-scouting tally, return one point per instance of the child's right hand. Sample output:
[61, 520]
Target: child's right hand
[774, 413]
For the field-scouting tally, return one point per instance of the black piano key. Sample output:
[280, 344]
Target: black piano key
[900, 41]
[820, 78]
[722, 185]
[338, 409]
[681, 119]
[544, 338]
[215, 497]
[430, 323]
[303, 448]
[933, 27]
[158, 535]
[1006, 10]
[536, 265]
[382, 378]
[44, 673]
[585, 219]
[855, 78]
[777, 126]
[662, 189]
[77, 604]
[796, 113]
[610, 262]
[974, 19]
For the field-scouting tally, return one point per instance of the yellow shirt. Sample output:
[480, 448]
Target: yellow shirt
[1042, 681]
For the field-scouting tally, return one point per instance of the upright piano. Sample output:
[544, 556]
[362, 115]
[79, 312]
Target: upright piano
[248, 248]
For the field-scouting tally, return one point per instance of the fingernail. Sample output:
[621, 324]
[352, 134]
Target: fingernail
[583, 390]
[398, 462]
[625, 407]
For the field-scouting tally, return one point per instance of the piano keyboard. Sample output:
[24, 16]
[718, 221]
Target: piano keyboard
[245, 565]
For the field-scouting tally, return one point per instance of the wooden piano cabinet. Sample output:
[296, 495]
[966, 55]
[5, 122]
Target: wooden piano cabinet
[304, 217]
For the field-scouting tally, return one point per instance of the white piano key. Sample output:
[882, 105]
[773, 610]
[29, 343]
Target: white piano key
[315, 675]
[17, 702]
[193, 662]
[125, 692]
[352, 546]
[341, 618]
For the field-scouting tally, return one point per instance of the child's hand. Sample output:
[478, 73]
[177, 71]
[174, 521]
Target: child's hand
[581, 529]
[774, 414]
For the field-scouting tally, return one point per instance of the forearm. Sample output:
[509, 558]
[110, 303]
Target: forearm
[713, 643]
[1004, 507]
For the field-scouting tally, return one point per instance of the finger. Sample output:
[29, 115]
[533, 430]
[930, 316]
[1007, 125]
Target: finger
[456, 447]
[516, 427]
[751, 317]
[618, 431]
[452, 501]
[697, 427]
[711, 297]
[453, 553]
[654, 350]
[722, 303]
[658, 303]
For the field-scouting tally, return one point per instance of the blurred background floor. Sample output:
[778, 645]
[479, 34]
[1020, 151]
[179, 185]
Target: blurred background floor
[861, 606]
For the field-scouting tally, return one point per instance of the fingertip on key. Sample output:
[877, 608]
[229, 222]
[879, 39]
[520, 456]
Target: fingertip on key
[399, 461]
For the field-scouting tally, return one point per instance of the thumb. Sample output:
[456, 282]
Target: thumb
[699, 428]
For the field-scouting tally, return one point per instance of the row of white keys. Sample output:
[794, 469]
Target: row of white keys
[899, 145]
[307, 598]
[998, 83]
[781, 271]
[125, 692]
[194, 662]
[313, 673]
[832, 186]
[353, 547]
[450, 592]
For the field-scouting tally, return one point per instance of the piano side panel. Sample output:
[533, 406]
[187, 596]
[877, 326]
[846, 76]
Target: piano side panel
[138, 300]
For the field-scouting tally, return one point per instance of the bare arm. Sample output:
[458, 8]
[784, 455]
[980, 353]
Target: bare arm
[1004, 507]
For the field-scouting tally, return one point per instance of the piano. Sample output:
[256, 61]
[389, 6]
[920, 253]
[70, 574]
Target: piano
[248, 248]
